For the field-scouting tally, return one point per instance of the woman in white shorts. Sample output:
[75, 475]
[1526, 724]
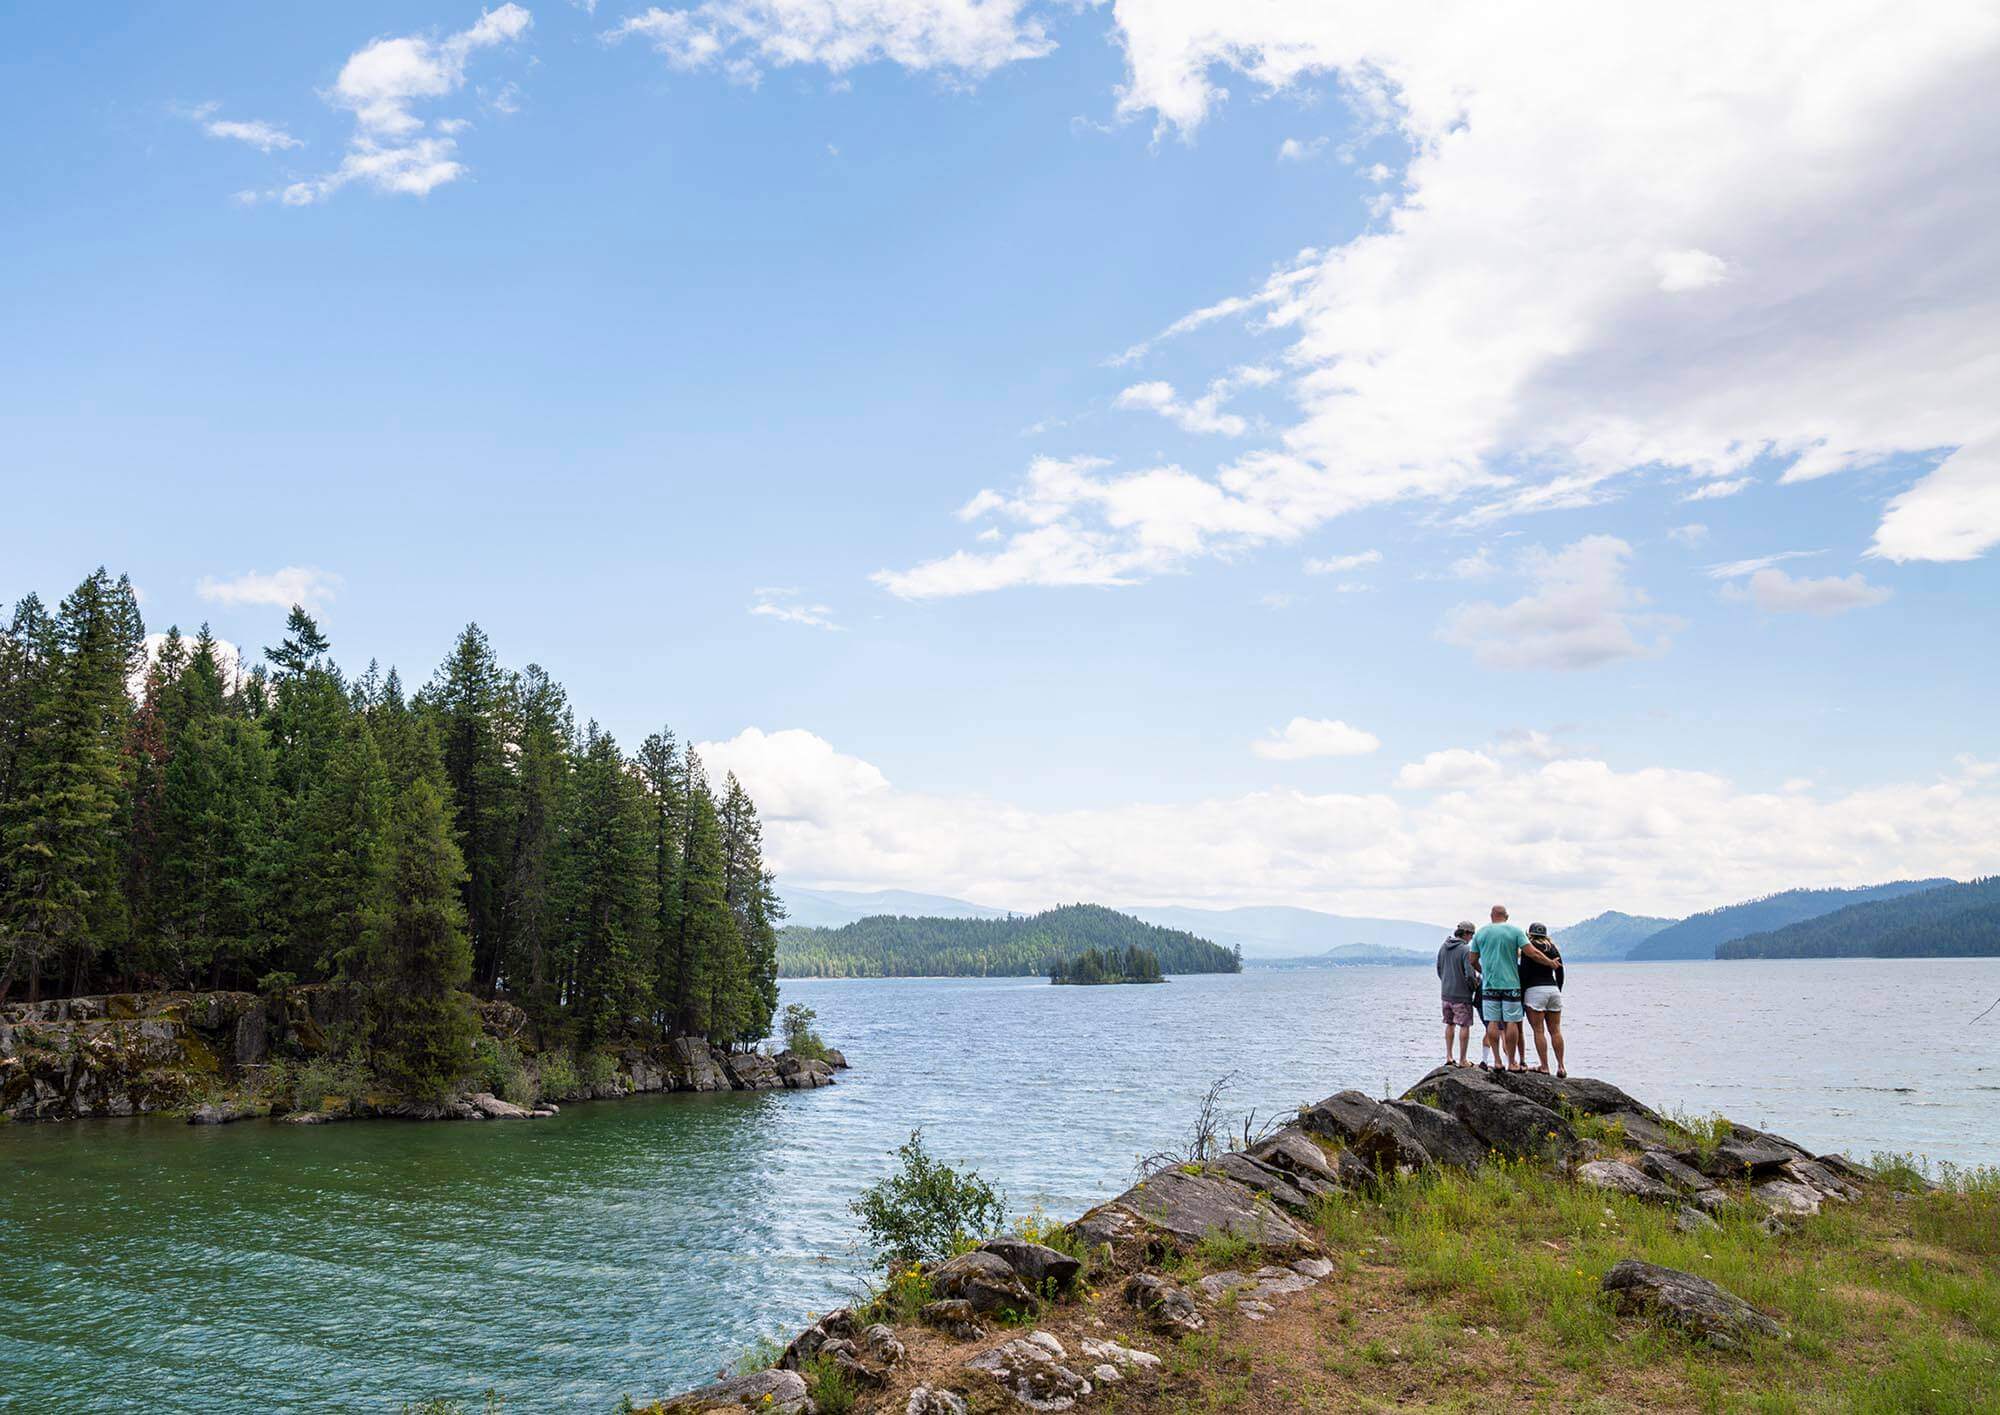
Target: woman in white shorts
[1541, 994]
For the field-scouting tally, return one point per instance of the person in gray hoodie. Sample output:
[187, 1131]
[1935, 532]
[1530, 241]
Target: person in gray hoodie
[1457, 977]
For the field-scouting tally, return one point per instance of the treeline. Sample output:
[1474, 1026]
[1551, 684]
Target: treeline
[293, 823]
[896, 946]
[1699, 935]
[1953, 921]
[1134, 965]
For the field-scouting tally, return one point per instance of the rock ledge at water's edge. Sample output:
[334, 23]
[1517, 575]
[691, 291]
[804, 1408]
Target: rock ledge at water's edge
[1078, 1337]
[150, 1053]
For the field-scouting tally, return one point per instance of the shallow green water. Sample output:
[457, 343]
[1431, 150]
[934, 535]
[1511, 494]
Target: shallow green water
[630, 1246]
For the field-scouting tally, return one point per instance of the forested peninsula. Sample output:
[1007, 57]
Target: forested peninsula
[372, 861]
[895, 946]
[1951, 921]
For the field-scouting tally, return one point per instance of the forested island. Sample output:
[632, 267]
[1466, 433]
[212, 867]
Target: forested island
[1092, 966]
[1951, 921]
[894, 946]
[170, 822]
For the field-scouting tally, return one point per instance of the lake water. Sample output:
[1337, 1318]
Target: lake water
[632, 1246]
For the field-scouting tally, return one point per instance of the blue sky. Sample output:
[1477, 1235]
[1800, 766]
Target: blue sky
[674, 346]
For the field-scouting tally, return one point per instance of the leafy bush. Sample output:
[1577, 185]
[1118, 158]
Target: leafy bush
[498, 1066]
[312, 1083]
[831, 1391]
[597, 1069]
[926, 1210]
[558, 1075]
[800, 1038]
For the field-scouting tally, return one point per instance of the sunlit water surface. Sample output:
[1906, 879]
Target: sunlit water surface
[632, 1246]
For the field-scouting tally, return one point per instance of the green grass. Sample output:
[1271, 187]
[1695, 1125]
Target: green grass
[831, 1390]
[1887, 1305]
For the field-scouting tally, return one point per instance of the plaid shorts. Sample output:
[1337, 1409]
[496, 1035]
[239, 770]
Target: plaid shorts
[1458, 1014]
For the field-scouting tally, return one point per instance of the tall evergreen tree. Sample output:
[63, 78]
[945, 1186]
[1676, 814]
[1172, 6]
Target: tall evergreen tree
[664, 776]
[338, 857]
[466, 698]
[418, 953]
[754, 904]
[530, 910]
[213, 921]
[700, 968]
[612, 927]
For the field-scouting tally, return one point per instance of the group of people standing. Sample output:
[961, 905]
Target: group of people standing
[1505, 976]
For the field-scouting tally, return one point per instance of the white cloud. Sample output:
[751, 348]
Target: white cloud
[1694, 533]
[1578, 613]
[1276, 599]
[1501, 335]
[1717, 490]
[962, 39]
[382, 83]
[1453, 767]
[1529, 742]
[1681, 271]
[1306, 737]
[1338, 564]
[1203, 414]
[1574, 836]
[1300, 150]
[1736, 569]
[280, 589]
[1775, 592]
[265, 137]
[785, 606]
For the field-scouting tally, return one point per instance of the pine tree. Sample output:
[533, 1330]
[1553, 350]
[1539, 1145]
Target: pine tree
[611, 925]
[215, 854]
[338, 857]
[531, 918]
[465, 697]
[418, 954]
[753, 901]
[700, 968]
[661, 770]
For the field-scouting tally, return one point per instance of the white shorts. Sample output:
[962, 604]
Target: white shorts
[1543, 999]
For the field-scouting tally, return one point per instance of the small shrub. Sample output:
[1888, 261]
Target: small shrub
[557, 1074]
[329, 1078]
[762, 1355]
[902, 1297]
[800, 1038]
[831, 1391]
[925, 1209]
[596, 1069]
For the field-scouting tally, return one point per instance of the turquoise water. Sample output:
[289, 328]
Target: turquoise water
[632, 1246]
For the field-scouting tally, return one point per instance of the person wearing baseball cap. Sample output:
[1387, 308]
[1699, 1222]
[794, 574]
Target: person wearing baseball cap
[1456, 981]
[1542, 996]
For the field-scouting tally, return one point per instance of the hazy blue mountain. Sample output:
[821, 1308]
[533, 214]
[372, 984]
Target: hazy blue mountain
[1609, 936]
[830, 908]
[1278, 931]
[1953, 920]
[1350, 955]
[1699, 935]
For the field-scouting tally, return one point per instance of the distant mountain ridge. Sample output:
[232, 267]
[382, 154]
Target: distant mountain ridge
[1281, 931]
[1019, 946]
[1951, 921]
[830, 908]
[1699, 935]
[1608, 937]
[1348, 955]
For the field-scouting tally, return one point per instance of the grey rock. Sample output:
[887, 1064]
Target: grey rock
[1737, 1158]
[1584, 1095]
[1390, 1145]
[1621, 1178]
[1295, 1152]
[1121, 1358]
[223, 1113]
[692, 1063]
[751, 1071]
[1786, 1198]
[954, 1317]
[1341, 1116]
[1818, 1177]
[836, 1059]
[1174, 1209]
[1693, 1304]
[925, 1401]
[776, 1392]
[1167, 1303]
[1313, 1267]
[493, 1108]
[1264, 1179]
[1689, 1219]
[252, 1040]
[1710, 1201]
[881, 1345]
[1503, 1121]
[1031, 1370]
[1853, 1171]
[1670, 1171]
[984, 1280]
[1035, 1264]
[1442, 1135]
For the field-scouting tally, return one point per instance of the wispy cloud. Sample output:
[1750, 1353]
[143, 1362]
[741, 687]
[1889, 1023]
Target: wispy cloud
[1580, 613]
[786, 606]
[254, 132]
[280, 589]
[1775, 592]
[1305, 737]
[1733, 569]
[1339, 564]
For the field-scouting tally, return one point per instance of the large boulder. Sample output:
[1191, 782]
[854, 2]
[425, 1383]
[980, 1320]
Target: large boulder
[1299, 1155]
[1583, 1095]
[1786, 1198]
[1443, 1136]
[1819, 1177]
[1390, 1145]
[1175, 1210]
[1165, 1302]
[1511, 1124]
[1668, 1170]
[1341, 1116]
[1693, 1304]
[984, 1280]
[774, 1392]
[1041, 1267]
[751, 1071]
[692, 1064]
[1618, 1177]
[802, 1073]
[1750, 1155]
[1261, 1178]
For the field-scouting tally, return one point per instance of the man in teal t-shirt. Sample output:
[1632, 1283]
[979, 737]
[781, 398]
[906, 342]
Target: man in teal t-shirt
[1499, 947]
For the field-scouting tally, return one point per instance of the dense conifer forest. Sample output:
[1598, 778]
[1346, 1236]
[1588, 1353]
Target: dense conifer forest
[169, 821]
[1952, 921]
[1134, 965]
[896, 946]
[1699, 935]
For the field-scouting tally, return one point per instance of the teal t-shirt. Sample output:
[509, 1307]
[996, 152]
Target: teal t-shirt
[1499, 947]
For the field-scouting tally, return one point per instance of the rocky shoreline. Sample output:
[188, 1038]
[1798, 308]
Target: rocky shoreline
[1108, 1309]
[204, 1054]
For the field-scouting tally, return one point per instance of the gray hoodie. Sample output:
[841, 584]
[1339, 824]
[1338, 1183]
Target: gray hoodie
[1455, 969]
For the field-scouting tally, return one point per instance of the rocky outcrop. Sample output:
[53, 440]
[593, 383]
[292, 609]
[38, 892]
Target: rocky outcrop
[1622, 1178]
[1031, 1369]
[1175, 1209]
[1502, 1119]
[201, 1054]
[1693, 1304]
[776, 1392]
[984, 1282]
[1167, 1303]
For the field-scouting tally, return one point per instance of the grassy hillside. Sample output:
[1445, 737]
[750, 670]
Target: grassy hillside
[1611, 935]
[895, 946]
[1699, 935]
[1954, 920]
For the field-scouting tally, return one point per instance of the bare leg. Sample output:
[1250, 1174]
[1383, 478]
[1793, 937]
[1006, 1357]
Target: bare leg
[1516, 1045]
[1556, 1037]
[1537, 1022]
[1494, 1036]
[1464, 1042]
